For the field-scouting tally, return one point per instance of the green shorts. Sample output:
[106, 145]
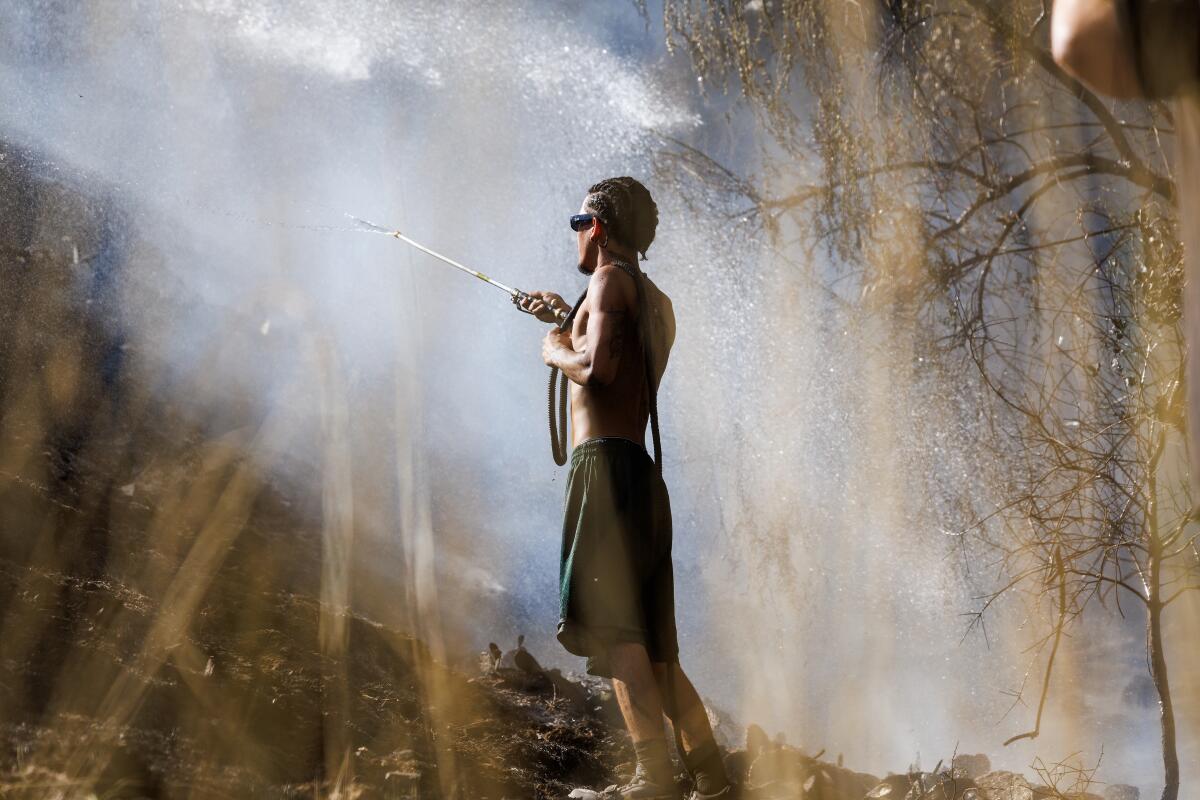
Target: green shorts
[615, 578]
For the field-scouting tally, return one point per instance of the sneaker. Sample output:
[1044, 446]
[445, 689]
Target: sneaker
[639, 788]
[726, 793]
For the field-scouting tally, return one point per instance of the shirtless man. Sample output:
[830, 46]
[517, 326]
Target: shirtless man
[616, 583]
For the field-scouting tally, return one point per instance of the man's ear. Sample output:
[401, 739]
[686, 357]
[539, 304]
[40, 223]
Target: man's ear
[597, 229]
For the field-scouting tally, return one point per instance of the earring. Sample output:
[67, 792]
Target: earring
[605, 242]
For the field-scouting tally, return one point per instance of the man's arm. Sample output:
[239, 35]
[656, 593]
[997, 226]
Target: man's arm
[596, 364]
[1087, 40]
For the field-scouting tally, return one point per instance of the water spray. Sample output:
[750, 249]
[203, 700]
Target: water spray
[517, 295]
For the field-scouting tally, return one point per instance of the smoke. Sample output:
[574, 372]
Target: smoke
[815, 591]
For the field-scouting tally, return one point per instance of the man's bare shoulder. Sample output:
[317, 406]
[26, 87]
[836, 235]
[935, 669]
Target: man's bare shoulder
[612, 289]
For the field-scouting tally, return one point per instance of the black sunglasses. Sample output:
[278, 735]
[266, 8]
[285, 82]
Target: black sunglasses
[582, 221]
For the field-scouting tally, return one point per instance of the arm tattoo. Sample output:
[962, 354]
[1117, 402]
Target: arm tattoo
[617, 343]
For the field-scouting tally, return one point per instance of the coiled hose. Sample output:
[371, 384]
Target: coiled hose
[558, 446]
[558, 443]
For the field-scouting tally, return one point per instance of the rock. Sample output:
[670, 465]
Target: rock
[786, 772]
[893, 787]
[779, 768]
[569, 690]
[756, 741]
[972, 766]
[518, 669]
[525, 660]
[1001, 785]
[1121, 791]
[942, 785]
[520, 659]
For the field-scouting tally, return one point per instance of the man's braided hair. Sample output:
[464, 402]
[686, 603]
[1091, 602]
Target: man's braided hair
[627, 208]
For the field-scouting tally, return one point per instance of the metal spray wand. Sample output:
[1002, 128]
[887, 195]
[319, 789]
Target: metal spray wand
[516, 294]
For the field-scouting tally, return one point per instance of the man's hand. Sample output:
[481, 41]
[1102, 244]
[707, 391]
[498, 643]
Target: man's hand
[552, 346]
[543, 305]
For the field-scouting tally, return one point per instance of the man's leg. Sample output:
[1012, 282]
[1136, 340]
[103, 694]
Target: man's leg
[690, 719]
[641, 706]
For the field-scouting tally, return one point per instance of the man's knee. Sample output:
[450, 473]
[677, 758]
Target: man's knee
[628, 661]
[673, 685]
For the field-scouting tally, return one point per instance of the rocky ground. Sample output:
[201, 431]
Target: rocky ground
[250, 716]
